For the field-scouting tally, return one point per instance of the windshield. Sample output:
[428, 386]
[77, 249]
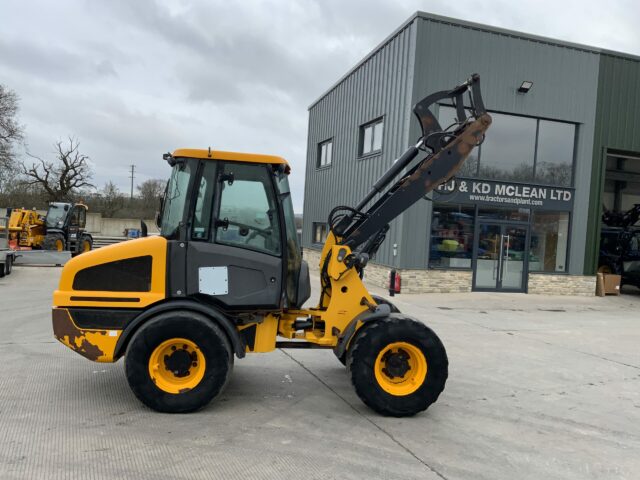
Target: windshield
[56, 215]
[175, 199]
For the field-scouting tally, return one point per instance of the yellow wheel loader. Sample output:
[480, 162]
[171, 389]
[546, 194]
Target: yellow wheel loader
[61, 229]
[226, 277]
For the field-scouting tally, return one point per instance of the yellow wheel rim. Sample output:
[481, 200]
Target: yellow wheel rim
[59, 245]
[400, 368]
[86, 246]
[177, 365]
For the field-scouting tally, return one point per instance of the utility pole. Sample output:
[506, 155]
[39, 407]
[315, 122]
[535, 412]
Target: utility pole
[133, 169]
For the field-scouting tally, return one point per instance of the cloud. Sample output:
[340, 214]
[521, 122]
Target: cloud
[133, 79]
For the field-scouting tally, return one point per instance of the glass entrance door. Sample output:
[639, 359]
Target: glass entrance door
[500, 257]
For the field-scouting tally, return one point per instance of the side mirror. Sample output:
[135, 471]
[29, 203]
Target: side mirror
[158, 220]
[144, 230]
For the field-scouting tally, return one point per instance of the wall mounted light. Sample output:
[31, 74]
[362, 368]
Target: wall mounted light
[525, 87]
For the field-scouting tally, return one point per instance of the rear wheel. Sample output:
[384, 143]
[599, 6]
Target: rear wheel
[2, 269]
[178, 362]
[8, 266]
[398, 367]
[54, 241]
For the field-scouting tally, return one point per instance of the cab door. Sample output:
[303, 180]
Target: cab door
[234, 253]
[75, 222]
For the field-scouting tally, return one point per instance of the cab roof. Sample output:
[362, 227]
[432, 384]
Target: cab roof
[208, 154]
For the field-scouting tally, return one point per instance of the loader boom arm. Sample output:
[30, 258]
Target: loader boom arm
[363, 228]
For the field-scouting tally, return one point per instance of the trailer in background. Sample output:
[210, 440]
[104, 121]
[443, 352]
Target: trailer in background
[7, 256]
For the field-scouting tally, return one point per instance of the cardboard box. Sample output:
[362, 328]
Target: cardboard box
[612, 284]
[600, 285]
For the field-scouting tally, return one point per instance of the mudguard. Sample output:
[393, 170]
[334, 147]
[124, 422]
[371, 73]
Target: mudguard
[381, 311]
[221, 320]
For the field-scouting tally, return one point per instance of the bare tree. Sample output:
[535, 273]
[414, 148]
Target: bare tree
[62, 177]
[150, 191]
[111, 200]
[10, 133]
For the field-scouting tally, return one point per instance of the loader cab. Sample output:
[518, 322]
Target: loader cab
[229, 222]
[61, 215]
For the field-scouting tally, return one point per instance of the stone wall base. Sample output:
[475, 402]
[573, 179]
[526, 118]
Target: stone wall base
[456, 281]
[548, 284]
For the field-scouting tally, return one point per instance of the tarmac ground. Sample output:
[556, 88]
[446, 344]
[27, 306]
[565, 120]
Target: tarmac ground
[539, 388]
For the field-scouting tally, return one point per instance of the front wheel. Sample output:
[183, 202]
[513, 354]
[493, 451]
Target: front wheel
[383, 301]
[54, 242]
[398, 367]
[178, 362]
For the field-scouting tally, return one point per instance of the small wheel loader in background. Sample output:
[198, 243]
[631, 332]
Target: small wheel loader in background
[61, 229]
[226, 277]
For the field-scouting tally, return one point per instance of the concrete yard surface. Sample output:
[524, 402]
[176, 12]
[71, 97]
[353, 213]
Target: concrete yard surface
[539, 388]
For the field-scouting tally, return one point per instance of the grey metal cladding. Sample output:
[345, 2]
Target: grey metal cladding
[430, 53]
[379, 87]
[564, 88]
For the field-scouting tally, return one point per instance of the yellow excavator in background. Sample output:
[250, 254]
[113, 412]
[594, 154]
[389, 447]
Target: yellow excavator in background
[61, 229]
[26, 228]
[226, 277]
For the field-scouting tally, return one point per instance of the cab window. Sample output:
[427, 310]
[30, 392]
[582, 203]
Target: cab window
[73, 217]
[204, 203]
[247, 214]
[82, 217]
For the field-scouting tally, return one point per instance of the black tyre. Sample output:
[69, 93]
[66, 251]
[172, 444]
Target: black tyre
[54, 241]
[383, 301]
[8, 266]
[380, 301]
[398, 367]
[178, 362]
[3, 269]
[86, 245]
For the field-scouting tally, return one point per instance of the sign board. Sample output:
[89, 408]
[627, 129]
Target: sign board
[505, 194]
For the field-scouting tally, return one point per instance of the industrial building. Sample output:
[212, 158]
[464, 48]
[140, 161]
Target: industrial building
[524, 213]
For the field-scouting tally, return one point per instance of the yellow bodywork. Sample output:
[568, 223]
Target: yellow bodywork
[99, 344]
[228, 156]
[26, 228]
[66, 296]
[345, 298]
[95, 344]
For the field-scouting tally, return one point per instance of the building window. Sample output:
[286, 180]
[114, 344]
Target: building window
[371, 137]
[521, 149]
[554, 158]
[549, 241]
[325, 153]
[508, 151]
[451, 236]
[320, 231]
[447, 119]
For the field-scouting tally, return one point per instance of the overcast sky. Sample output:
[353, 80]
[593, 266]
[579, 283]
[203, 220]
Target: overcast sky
[132, 79]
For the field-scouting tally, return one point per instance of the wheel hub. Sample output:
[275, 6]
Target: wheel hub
[396, 363]
[180, 361]
[177, 365]
[400, 368]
